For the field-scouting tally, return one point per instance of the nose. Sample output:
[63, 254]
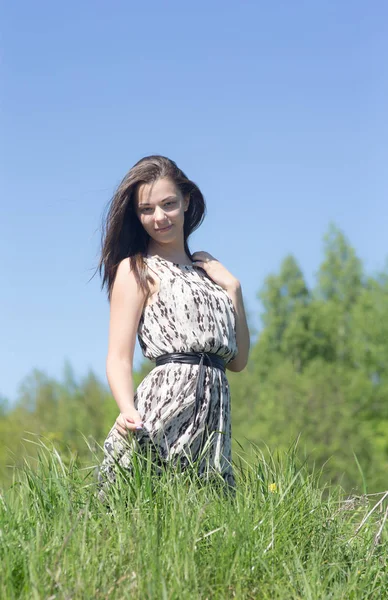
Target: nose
[159, 216]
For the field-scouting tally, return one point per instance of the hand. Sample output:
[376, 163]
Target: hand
[128, 421]
[215, 270]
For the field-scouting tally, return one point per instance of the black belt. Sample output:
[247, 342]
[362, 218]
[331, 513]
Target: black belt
[194, 358]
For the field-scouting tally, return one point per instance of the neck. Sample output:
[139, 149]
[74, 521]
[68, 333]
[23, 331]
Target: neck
[174, 251]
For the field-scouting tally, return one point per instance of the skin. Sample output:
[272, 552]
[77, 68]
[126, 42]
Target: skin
[159, 205]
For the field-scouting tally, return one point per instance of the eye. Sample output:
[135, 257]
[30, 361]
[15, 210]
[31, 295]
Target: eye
[146, 209]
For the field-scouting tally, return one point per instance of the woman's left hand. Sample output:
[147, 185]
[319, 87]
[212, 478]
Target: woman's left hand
[215, 270]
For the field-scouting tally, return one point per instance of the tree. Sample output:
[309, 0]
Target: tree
[286, 301]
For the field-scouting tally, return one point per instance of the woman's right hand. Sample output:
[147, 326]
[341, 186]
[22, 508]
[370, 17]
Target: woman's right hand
[130, 420]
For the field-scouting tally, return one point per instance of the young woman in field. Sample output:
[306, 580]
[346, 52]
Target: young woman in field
[187, 311]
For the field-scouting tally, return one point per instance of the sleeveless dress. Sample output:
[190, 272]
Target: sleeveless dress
[189, 313]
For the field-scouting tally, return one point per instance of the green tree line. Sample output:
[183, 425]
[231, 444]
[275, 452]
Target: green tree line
[318, 370]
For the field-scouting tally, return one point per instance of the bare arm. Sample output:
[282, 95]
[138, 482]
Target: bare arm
[242, 331]
[126, 306]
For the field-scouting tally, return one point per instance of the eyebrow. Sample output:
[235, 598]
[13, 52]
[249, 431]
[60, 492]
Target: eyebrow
[168, 198]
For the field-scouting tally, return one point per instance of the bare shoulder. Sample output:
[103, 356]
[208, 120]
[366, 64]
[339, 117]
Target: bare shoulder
[126, 307]
[124, 267]
[125, 283]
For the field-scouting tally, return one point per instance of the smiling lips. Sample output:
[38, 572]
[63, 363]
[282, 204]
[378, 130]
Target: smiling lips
[164, 228]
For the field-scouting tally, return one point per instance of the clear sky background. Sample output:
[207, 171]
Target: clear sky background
[277, 110]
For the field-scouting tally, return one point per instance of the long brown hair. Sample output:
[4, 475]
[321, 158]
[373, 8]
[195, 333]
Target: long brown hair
[123, 235]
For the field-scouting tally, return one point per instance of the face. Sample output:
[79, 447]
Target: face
[160, 208]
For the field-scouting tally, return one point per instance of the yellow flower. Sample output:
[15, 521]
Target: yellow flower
[272, 488]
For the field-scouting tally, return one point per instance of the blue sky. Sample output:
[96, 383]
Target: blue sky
[278, 111]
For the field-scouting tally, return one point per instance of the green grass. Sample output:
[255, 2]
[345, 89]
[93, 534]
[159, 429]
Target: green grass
[282, 536]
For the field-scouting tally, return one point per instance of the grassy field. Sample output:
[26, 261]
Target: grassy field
[282, 536]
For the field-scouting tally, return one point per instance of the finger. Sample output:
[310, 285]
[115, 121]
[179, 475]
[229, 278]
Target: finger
[126, 427]
[122, 432]
[122, 428]
[134, 421]
[130, 427]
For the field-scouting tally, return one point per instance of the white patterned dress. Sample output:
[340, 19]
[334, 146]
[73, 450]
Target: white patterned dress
[190, 313]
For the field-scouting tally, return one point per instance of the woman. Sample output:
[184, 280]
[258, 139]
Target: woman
[187, 310]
